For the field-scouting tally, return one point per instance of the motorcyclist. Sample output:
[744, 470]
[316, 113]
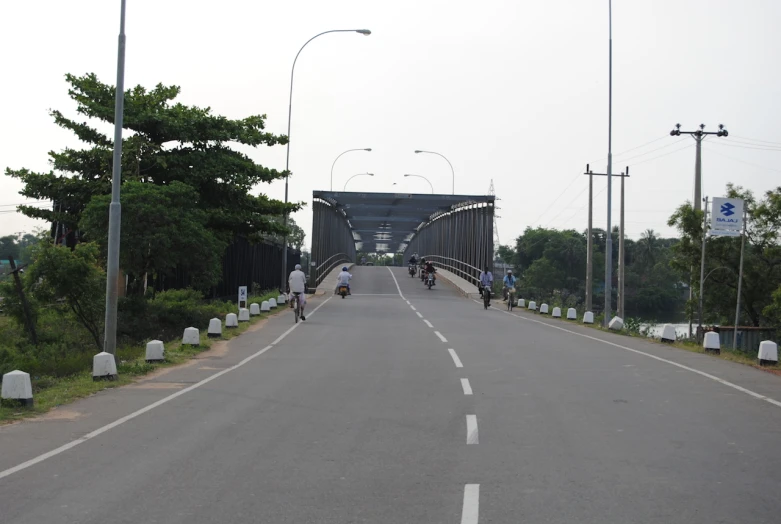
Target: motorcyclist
[413, 261]
[430, 269]
[343, 279]
[509, 283]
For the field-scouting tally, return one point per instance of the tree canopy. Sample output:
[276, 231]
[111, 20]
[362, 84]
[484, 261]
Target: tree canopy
[167, 142]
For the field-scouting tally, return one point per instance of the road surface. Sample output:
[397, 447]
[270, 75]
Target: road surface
[404, 405]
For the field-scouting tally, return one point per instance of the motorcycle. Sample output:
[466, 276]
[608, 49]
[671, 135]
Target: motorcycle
[430, 280]
[343, 291]
[412, 270]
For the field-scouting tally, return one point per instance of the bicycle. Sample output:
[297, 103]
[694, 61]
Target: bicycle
[486, 297]
[296, 306]
[510, 298]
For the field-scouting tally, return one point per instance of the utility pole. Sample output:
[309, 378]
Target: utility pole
[115, 210]
[698, 136]
[702, 268]
[28, 317]
[621, 259]
[590, 244]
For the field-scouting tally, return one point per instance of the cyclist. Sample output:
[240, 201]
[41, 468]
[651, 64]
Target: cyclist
[343, 279]
[486, 282]
[509, 283]
[297, 284]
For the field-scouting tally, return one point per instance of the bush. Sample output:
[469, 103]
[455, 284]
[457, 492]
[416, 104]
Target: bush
[164, 317]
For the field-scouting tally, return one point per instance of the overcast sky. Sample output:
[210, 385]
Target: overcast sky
[514, 91]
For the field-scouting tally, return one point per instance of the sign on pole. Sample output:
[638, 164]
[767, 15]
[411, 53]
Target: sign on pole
[727, 215]
[242, 296]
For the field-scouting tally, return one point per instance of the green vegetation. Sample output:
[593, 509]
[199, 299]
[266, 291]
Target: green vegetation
[186, 196]
[551, 267]
[185, 193]
[62, 373]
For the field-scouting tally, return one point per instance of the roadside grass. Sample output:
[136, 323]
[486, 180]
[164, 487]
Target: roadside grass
[52, 392]
[739, 357]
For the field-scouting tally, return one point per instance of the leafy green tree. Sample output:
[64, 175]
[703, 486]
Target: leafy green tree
[168, 142]
[762, 259]
[295, 235]
[70, 281]
[164, 229]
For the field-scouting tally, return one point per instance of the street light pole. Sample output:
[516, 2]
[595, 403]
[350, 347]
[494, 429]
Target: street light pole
[359, 174]
[609, 233]
[115, 210]
[452, 171]
[426, 179]
[365, 32]
[337, 158]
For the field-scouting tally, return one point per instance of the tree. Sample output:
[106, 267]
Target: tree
[70, 280]
[506, 254]
[168, 142]
[761, 266]
[165, 230]
[295, 235]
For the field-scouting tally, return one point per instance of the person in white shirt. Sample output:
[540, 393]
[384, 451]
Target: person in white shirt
[297, 284]
[343, 279]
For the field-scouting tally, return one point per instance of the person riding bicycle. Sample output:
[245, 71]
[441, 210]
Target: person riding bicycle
[486, 282]
[430, 269]
[343, 279]
[509, 283]
[297, 284]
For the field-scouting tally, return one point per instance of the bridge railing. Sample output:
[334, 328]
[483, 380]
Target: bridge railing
[458, 267]
[321, 271]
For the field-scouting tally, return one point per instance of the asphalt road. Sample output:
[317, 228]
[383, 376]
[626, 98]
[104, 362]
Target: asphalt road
[423, 408]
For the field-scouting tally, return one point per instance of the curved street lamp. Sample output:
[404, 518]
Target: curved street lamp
[424, 178]
[364, 32]
[446, 160]
[359, 174]
[702, 289]
[337, 158]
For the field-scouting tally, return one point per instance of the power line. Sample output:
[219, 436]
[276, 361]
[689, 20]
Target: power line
[757, 140]
[744, 146]
[625, 160]
[743, 161]
[663, 155]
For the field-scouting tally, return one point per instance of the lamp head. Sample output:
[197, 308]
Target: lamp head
[418, 151]
[364, 32]
[368, 149]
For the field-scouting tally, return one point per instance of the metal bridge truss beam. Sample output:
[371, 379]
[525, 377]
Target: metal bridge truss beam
[332, 240]
[460, 240]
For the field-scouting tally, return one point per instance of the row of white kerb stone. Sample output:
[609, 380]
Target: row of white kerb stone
[768, 350]
[18, 388]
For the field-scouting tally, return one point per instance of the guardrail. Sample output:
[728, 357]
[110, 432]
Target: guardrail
[330, 263]
[462, 269]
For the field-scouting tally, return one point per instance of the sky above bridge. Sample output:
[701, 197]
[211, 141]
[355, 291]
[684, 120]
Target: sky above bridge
[507, 90]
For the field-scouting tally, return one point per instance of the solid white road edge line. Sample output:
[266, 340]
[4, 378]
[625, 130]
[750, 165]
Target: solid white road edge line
[471, 429]
[456, 360]
[466, 386]
[660, 359]
[428, 323]
[471, 510]
[150, 407]
[443, 339]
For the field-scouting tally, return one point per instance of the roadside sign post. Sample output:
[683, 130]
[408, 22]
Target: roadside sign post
[729, 217]
[242, 296]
